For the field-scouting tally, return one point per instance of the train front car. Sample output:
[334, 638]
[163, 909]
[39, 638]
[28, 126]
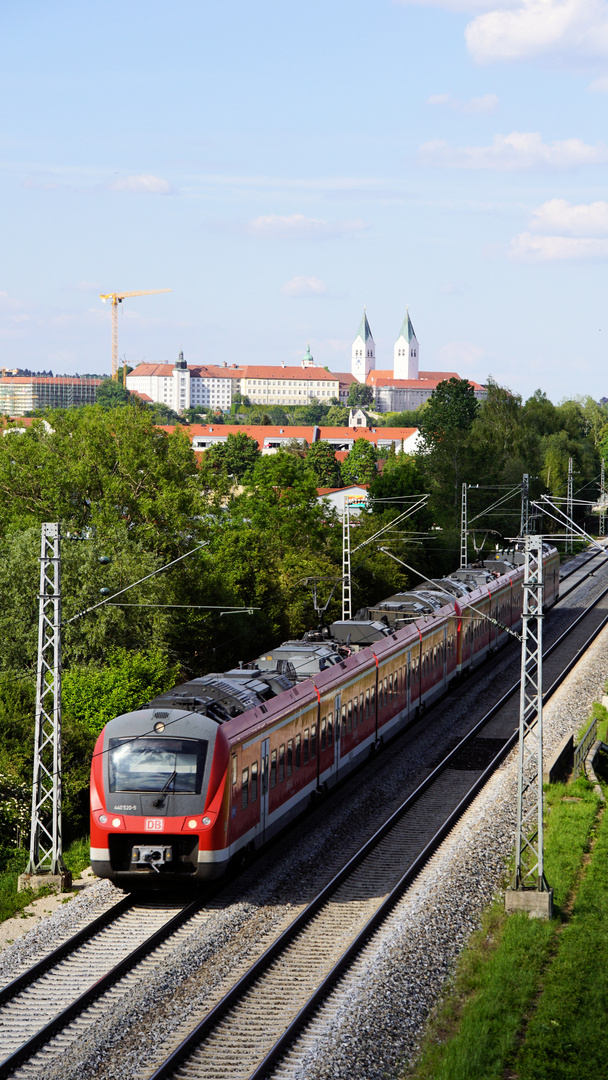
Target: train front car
[159, 798]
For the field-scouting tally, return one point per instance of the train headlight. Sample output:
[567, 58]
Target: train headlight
[159, 726]
[102, 819]
[116, 822]
[206, 821]
[192, 823]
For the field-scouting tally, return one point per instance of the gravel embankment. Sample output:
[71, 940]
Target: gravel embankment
[373, 1021]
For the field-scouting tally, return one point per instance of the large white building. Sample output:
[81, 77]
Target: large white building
[184, 386]
[363, 353]
[180, 386]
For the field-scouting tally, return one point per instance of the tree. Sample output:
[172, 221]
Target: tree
[359, 466]
[111, 394]
[445, 453]
[337, 416]
[359, 394]
[235, 457]
[321, 458]
[400, 476]
[163, 414]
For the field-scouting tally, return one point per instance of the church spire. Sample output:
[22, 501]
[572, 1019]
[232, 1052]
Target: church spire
[363, 353]
[406, 351]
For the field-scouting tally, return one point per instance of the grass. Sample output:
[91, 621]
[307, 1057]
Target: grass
[12, 903]
[477, 1031]
[600, 713]
[567, 1036]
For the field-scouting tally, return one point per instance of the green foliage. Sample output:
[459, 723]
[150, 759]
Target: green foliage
[233, 458]
[321, 458]
[359, 394]
[93, 694]
[336, 416]
[111, 394]
[400, 476]
[162, 414]
[401, 419]
[359, 465]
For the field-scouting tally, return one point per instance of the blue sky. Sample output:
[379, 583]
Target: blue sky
[280, 164]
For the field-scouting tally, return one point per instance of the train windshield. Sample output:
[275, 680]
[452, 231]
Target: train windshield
[157, 764]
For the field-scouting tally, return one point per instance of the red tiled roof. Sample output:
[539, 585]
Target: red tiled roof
[376, 375]
[63, 380]
[349, 487]
[247, 371]
[142, 397]
[261, 433]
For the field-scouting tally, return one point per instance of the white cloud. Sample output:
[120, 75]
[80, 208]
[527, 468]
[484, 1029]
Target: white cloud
[304, 286]
[86, 286]
[599, 86]
[486, 104]
[559, 230]
[559, 28]
[151, 185]
[299, 227]
[558, 216]
[507, 30]
[530, 248]
[519, 150]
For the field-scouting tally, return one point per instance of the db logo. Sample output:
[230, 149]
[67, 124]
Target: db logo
[154, 824]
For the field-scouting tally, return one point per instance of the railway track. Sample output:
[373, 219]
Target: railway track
[49, 1006]
[250, 1030]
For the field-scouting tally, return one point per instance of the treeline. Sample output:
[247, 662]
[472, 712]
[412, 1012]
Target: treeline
[128, 491]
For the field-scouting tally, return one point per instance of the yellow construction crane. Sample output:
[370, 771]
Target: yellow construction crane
[115, 299]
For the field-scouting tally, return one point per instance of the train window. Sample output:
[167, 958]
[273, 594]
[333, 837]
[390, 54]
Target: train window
[373, 701]
[385, 690]
[390, 686]
[313, 741]
[350, 716]
[244, 789]
[361, 700]
[367, 704]
[289, 757]
[254, 782]
[298, 757]
[323, 733]
[355, 711]
[281, 762]
[330, 730]
[175, 765]
[344, 713]
[273, 768]
[305, 759]
[234, 770]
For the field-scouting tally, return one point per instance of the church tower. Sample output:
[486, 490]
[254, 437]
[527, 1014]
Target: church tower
[406, 352]
[363, 355]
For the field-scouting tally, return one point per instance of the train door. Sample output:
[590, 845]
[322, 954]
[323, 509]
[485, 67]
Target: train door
[337, 733]
[265, 755]
[408, 684]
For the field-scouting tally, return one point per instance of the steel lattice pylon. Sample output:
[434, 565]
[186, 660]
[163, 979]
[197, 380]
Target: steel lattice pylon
[45, 837]
[346, 581]
[463, 529]
[529, 869]
[603, 499]
[524, 527]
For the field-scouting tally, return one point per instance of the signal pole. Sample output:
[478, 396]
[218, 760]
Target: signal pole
[529, 890]
[603, 499]
[463, 529]
[569, 511]
[524, 527]
[46, 865]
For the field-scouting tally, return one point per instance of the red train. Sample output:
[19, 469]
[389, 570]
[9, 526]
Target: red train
[217, 766]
